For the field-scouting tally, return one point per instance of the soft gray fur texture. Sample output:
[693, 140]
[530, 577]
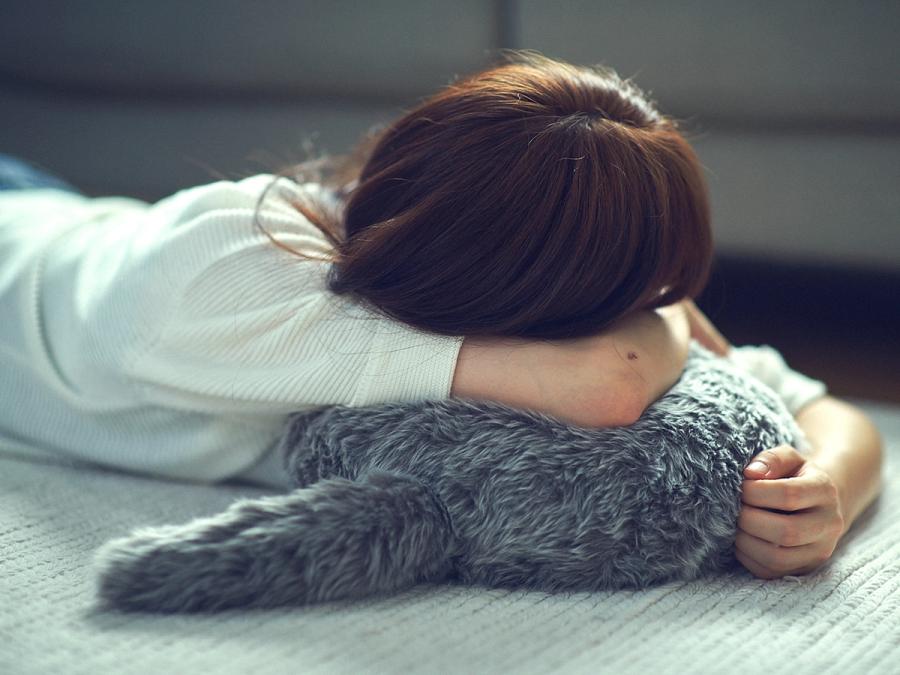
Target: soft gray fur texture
[476, 492]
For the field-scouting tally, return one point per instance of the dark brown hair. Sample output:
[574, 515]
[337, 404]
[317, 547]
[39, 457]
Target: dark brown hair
[534, 198]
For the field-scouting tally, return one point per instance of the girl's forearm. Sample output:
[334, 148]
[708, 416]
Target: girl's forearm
[584, 383]
[848, 446]
[602, 380]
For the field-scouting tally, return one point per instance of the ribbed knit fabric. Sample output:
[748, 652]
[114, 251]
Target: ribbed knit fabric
[766, 364]
[173, 338]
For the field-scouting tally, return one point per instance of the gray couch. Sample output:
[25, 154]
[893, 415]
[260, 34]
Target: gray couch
[794, 107]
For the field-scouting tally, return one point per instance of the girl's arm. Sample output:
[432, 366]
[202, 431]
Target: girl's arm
[849, 448]
[797, 508]
[598, 381]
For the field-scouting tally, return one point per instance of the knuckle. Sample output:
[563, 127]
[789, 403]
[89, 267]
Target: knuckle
[791, 496]
[823, 556]
[836, 526]
[777, 559]
[831, 492]
[791, 535]
[787, 451]
[770, 457]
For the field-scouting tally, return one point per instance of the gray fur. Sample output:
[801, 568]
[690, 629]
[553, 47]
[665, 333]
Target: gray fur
[392, 495]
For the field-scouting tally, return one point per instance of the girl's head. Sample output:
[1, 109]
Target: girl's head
[534, 198]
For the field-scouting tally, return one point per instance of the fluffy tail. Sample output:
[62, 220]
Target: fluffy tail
[335, 539]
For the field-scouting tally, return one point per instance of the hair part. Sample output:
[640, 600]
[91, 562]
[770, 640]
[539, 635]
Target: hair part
[534, 198]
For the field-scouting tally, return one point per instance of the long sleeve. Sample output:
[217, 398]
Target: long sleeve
[172, 338]
[253, 328]
[767, 364]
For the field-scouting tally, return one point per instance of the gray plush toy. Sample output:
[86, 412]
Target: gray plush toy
[474, 492]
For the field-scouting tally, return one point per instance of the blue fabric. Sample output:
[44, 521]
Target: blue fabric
[16, 174]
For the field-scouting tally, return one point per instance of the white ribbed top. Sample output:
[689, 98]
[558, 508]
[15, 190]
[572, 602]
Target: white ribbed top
[173, 338]
[766, 364]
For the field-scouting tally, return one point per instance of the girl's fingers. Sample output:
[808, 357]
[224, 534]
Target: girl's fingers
[782, 559]
[755, 568]
[786, 494]
[779, 462]
[795, 529]
[763, 572]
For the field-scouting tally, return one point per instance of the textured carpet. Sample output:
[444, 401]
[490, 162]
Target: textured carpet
[843, 619]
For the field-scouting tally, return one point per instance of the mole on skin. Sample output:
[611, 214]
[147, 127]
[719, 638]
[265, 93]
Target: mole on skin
[632, 356]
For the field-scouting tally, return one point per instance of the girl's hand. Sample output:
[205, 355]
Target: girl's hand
[791, 518]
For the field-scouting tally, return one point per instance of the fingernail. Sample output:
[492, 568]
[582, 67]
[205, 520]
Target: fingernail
[758, 466]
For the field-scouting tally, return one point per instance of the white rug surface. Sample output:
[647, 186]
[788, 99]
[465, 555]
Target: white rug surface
[843, 619]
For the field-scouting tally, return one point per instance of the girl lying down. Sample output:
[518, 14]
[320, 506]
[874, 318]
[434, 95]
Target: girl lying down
[532, 234]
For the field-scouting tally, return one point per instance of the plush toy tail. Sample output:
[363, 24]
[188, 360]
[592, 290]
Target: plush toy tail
[335, 539]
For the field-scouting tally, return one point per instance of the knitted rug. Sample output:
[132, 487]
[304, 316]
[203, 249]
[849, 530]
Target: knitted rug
[842, 619]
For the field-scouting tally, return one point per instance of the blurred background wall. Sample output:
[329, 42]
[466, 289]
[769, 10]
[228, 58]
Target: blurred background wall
[793, 107]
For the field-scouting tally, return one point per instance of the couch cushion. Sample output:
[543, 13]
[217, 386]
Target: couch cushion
[805, 197]
[149, 149]
[791, 195]
[279, 47]
[774, 60]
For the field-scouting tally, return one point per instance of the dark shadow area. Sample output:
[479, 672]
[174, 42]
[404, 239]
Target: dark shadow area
[838, 324]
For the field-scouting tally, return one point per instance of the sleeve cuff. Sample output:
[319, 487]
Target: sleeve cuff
[406, 364]
[766, 364]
